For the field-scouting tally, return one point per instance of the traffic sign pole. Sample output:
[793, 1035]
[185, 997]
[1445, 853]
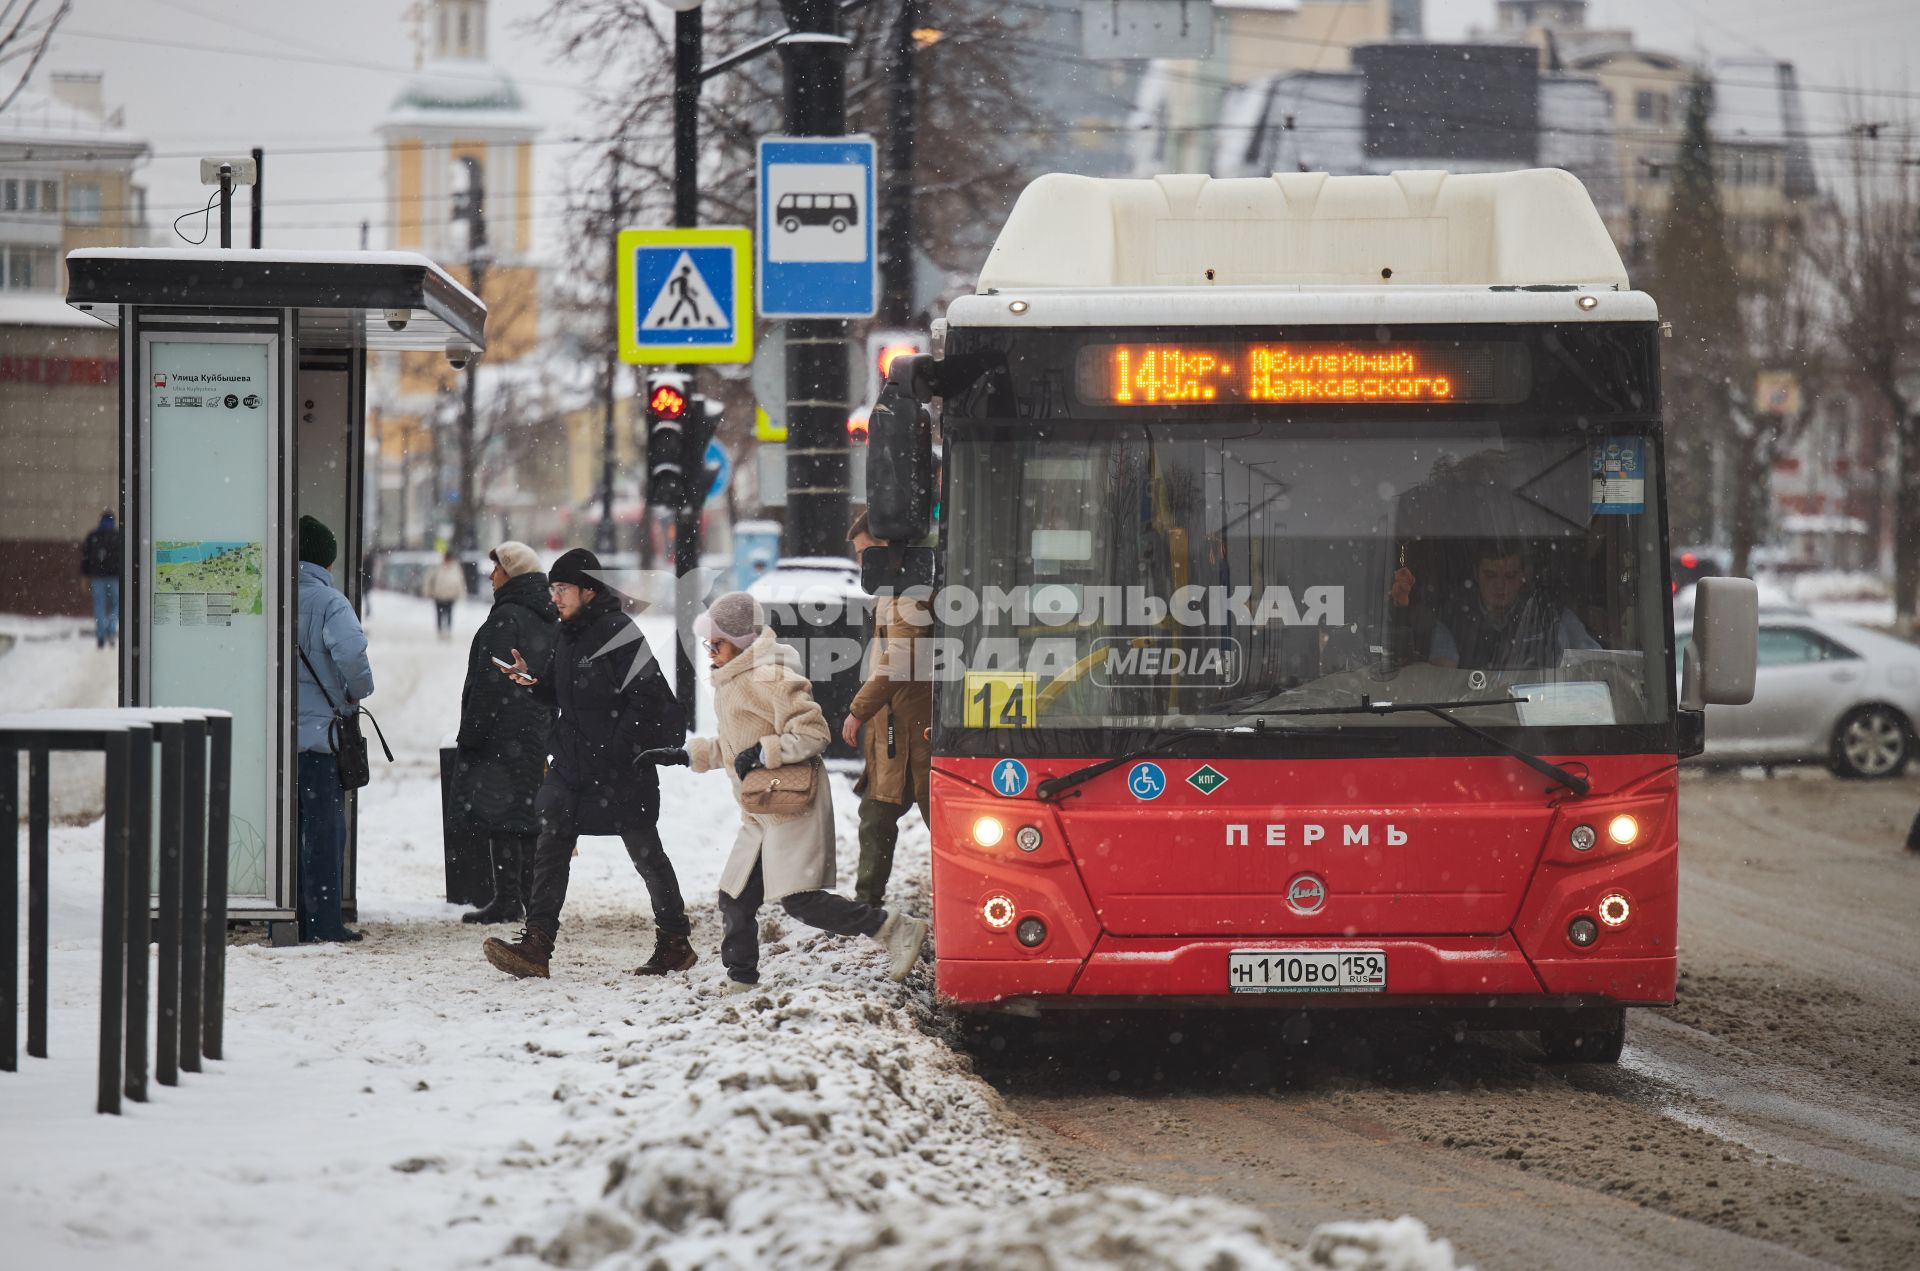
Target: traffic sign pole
[814, 55]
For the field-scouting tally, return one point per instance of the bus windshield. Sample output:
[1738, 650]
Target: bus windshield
[1231, 573]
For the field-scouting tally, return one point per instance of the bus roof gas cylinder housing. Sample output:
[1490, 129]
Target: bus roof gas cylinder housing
[1531, 228]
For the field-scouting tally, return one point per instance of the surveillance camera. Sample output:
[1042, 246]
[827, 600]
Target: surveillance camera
[397, 318]
[459, 354]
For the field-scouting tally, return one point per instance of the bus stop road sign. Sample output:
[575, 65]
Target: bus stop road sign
[817, 240]
[685, 295]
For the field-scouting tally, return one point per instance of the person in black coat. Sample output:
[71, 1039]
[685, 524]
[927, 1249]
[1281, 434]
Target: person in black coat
[504, 729]
[614, 703]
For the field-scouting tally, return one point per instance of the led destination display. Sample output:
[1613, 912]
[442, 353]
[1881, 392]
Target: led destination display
[1299, 372]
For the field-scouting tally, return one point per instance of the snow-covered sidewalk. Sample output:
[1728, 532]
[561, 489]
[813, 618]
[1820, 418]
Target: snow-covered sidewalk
[400, 1104]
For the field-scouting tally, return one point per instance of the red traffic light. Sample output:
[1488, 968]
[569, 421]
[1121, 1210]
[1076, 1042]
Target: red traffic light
[667, 402]
[888, 352]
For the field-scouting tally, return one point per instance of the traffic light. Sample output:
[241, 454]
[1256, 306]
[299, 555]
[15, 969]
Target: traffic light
[667, 450]
[883, 346]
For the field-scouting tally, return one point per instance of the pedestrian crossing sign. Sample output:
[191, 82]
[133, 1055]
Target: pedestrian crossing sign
[685, 295]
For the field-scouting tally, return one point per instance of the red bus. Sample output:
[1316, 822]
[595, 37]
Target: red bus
[1305, 623]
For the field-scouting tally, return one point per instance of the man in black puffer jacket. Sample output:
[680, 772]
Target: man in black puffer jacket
[613, 703]
[504, 729]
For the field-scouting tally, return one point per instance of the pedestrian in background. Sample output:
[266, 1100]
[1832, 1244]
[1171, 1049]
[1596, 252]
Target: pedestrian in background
[334, 677]
[446, 586]
[100, 567]
[614, 704]
[504, 729]
[765, 717]
[897, 710]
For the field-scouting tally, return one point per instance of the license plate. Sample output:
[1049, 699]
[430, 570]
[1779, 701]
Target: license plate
[1310, 971]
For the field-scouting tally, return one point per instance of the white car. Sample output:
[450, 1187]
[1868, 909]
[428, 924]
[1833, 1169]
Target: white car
[1825, 692]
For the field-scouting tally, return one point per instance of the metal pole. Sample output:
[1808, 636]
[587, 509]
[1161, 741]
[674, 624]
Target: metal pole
[616, 213]
[686, 214]
[896, 226]
[113, 934]
[219, 806]
[193, 889]
[9, 908]
[259, 193]
[138, 920]
[226, 205]
[815, 58]
[465, 519]
[39, 818]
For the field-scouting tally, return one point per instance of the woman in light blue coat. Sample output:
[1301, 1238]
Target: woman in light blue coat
[334, 648]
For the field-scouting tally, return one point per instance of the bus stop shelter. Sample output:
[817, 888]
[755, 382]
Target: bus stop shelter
[242, 403]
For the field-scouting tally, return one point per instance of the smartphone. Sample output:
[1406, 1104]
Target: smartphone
[505, 666]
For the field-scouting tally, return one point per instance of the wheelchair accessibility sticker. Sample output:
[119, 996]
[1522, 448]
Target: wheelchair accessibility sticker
[1146, 781]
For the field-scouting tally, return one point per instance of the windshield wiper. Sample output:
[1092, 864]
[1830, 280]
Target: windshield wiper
[1053, 787]
[1439, 710]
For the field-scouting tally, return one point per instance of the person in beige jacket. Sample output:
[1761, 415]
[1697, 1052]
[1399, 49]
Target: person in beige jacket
[765, 717]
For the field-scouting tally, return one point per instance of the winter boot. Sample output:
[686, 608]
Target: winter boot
[505, 905]
[526, 958]
[901, 936]
[670, 953]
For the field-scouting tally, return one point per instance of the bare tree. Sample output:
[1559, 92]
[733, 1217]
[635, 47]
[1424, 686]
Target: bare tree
[1786, 316]
[1870, 259]
[26, 29]
[974, 139]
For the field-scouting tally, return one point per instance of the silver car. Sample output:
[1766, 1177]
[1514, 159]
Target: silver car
[1826, 692]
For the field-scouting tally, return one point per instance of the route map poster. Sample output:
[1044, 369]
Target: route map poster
[208, 592]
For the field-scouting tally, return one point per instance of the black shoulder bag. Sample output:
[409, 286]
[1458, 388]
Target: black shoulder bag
[344, 735]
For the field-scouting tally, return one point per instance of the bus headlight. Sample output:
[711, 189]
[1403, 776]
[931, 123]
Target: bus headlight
[1581, 932]
[1614, 909]
[988, 831]
[997, 912]
[1582, 838]
[1623, 829]
[1027, 838]
[1031, 932]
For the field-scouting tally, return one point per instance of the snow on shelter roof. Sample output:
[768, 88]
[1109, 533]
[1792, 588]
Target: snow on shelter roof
[1536, 227]
[360, 286]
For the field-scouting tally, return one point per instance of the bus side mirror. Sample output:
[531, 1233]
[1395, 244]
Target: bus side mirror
[1719, 664]
[900, 453]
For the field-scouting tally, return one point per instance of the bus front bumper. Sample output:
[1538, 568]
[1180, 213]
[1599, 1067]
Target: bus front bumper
[1420, 970]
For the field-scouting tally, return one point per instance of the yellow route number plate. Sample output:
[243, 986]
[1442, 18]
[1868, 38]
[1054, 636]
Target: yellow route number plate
[1000, 699]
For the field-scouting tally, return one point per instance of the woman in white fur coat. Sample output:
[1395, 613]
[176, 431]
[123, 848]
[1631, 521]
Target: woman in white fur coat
[765, 717]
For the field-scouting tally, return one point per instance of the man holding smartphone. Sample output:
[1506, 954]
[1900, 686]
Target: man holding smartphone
[614, 703]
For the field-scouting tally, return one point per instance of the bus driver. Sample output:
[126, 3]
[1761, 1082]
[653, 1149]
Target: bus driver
[1505, 625]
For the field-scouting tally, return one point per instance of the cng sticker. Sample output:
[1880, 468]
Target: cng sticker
[999, 699]
[1206, 778]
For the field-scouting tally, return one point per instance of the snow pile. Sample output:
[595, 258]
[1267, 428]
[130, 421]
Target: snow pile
[400, 1103]
[820, 1125]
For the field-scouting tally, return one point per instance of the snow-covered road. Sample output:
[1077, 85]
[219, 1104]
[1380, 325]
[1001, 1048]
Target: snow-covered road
[400, 1104]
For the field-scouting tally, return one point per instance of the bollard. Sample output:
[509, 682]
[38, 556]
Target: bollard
[113, 899]
[193, 884]
[166, 1056]
[39, 820]
[10, 910]
[219, 835]
[140, 793]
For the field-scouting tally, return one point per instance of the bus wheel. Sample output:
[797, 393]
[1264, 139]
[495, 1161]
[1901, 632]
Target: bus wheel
[1586, 1043]
[1872, 742]
[791, 225]
[839, 224]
